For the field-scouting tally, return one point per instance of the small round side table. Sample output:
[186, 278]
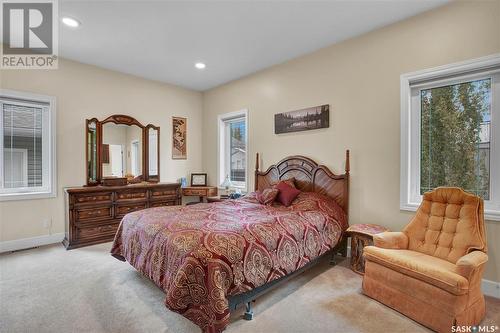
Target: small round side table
[361, 236]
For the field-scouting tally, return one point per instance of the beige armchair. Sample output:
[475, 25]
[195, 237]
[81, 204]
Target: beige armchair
[432, 270]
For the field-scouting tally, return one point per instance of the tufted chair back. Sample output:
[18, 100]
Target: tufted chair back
[449, 224]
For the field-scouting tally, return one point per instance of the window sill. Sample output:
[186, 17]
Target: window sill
[26, 196]
[489, 215]
[234, 188]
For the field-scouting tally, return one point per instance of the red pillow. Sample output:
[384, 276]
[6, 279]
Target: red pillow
[267, 196]
[287, 193]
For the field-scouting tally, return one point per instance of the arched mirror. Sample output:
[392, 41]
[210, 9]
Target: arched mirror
[122, 150]
[121, 147]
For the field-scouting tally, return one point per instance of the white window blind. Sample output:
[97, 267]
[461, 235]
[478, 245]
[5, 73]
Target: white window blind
[26, 148]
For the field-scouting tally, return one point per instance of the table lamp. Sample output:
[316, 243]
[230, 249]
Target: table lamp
[226, 185]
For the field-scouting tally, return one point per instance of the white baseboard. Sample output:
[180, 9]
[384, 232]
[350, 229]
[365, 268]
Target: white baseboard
[489, 288]
[26, 243]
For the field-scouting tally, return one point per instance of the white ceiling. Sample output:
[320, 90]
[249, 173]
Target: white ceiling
[161, 40]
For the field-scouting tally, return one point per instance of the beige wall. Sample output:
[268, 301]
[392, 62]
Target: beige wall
[84, 91]
[359, 78]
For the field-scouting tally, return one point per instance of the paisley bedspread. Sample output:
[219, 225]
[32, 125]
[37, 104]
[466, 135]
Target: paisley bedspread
[201, 254]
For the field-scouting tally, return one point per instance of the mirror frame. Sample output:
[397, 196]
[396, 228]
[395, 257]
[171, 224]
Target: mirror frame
[121, 119]
[98, 151]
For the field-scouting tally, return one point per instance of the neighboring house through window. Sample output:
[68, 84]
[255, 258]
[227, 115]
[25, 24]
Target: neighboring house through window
[27, 146]
[233, 149]
[450, 132]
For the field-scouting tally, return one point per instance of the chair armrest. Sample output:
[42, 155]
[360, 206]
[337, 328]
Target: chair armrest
[471, 263]
[391, 240]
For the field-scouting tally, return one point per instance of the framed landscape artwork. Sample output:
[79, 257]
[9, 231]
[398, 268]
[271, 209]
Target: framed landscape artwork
[179, 138]
[302, 120]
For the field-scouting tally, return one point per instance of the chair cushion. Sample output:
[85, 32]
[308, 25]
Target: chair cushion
[448, 224]
[438, 272]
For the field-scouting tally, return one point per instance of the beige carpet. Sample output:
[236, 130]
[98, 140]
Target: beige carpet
[86, 290]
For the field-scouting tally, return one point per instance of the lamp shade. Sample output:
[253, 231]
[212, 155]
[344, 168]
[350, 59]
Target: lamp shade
[226, 183]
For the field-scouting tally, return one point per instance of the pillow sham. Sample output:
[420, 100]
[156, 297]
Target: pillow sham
[267, 196]
[286, 193]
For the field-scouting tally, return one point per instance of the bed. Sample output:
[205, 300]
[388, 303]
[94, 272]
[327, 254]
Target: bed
[210, 258]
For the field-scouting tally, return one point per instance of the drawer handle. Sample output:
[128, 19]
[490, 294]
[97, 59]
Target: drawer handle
[126, 209]
[93, 212]
[83, 199]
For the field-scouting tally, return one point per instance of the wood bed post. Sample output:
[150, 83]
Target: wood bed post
[347, 164]
[256, 171]
[342, 246]
[346, 184]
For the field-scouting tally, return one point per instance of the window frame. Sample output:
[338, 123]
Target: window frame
[222, 160]
[49, 168]
[411, 84]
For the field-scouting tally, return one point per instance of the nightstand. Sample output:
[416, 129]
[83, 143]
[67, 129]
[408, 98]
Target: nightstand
[361, 236]
[200, 191]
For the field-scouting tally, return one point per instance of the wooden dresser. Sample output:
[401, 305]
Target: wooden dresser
[93, 213]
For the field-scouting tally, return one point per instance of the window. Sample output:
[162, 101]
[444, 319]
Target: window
[451, 132]
[233, 138]
[27, 146]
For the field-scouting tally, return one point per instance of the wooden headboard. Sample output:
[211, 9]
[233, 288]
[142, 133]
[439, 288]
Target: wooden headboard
[309, 177]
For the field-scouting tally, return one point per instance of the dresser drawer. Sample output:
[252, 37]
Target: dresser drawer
[92, 198]
[163, 203]
[122, 210]
[90, 232]
[195, 191]
[93, 214]
[125, 195]
[164, 192]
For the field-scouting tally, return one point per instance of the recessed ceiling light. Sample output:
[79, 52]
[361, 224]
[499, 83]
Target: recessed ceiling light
[70, 22]
[200, 65]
